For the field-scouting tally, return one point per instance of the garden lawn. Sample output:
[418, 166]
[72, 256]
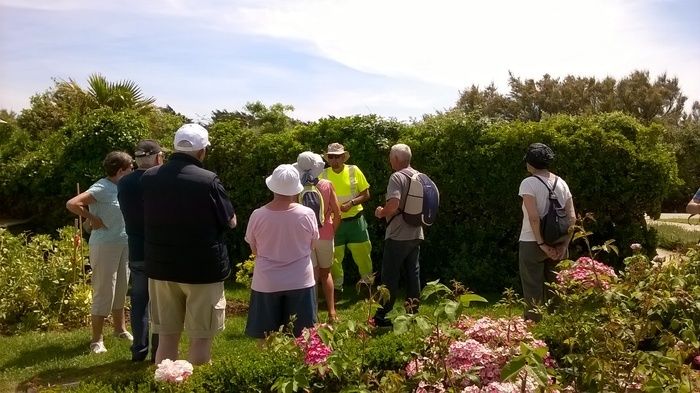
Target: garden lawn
[61, 359]
[675, 237]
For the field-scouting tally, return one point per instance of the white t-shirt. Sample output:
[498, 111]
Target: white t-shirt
[534, 187]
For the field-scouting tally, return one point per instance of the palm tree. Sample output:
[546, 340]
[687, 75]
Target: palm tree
[120, 95]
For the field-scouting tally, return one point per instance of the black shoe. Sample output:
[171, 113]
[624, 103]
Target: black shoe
[381, 322]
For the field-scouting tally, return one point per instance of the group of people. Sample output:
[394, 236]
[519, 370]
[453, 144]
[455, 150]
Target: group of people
[163, 226]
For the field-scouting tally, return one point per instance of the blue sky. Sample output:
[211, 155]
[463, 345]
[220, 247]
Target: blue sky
[399, 58]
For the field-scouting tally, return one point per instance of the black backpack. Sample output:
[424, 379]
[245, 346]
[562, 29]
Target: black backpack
[554, 226]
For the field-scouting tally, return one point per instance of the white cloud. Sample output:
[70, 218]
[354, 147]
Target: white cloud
[441, 45]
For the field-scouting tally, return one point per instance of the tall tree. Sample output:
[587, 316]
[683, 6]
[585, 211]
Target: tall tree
[119, 95]
[258, 116]
[528, 99]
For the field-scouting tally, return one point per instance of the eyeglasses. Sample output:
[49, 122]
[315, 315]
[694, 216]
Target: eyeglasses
[335, 156]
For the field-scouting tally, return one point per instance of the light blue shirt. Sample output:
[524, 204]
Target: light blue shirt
[107, 209]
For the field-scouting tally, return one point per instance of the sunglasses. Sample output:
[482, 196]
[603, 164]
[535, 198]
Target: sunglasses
[335, 156]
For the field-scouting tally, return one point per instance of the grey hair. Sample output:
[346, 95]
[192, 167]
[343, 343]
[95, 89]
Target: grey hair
[402, 152]
[148, 161]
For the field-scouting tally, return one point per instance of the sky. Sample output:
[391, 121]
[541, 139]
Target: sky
[395, 58]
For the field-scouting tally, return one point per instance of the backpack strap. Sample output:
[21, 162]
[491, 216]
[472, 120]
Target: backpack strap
[404, 194]
[552, 195]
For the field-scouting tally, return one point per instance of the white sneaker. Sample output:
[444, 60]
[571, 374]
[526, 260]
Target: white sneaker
[124, 336]
[98, 347]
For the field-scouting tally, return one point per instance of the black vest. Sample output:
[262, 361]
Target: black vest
[184, 232]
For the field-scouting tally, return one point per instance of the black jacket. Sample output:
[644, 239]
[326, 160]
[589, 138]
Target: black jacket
[186, 213]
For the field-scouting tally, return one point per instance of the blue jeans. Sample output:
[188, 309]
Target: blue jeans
[400, 256]
[139, 313]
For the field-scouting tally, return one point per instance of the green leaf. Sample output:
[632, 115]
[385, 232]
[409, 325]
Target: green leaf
[467, 298]
[513, 368]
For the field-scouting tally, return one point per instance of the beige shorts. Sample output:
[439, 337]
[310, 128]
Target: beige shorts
[110, 277]
[198, 308]
[322, 255]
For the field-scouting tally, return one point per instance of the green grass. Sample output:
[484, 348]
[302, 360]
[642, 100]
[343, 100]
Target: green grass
[674, 237]
[693, 221]
[52, 359]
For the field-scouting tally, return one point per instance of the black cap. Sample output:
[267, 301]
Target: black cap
[539, 155]
[147, 147]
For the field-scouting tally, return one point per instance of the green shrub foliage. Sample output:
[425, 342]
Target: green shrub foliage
[617, 169]
[43, 282]
[38, 183]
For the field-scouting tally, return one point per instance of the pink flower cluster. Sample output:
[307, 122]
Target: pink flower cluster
[588, 273]
[173, 371]
[315, 351]
[485, 346]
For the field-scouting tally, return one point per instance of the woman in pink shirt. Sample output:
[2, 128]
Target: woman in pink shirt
[310, 165]
[281, 235]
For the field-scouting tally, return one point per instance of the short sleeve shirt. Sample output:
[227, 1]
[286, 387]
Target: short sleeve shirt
[397, 228]
[341, 182]
[107, 209]
[696, 197]
[283, 241]
[531, 186]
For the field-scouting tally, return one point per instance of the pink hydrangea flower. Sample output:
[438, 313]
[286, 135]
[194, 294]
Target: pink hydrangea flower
[425, 387]
[588, 273]
[315, 351]
[176, 371]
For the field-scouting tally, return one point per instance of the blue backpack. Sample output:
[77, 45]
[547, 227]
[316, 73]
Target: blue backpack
[420, 200]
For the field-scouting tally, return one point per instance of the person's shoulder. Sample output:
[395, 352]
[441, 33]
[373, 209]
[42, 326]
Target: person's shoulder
[303, 210]
[529, 180]
[100, 184]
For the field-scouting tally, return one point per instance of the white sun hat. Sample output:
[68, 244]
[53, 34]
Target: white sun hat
[310, 165]
[284, 180]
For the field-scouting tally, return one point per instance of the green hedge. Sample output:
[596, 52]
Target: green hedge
[617, 169]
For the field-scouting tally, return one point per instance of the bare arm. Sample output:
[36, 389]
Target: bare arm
[358, 200]
[233, 222]
[534, 218]
[390, 208]
[335, 209]
[78, 205]
[693, 207]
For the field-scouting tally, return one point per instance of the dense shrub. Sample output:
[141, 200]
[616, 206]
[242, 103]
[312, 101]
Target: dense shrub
[641, 331]
[617, 169]
[43, 282]
[38, 183]
[685, 141]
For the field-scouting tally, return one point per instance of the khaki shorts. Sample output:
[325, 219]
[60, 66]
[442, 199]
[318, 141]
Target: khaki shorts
[110, 277]
[322, 255]
[198, 308]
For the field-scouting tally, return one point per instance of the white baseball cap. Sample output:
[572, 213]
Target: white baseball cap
[191, 137]
[284, 180]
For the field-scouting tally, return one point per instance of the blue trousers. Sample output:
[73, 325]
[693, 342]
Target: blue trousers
[400, 256]
[139, 313]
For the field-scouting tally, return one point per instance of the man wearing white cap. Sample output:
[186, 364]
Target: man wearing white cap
[352, 190]
[186, 214]
[281, 235]
[310, 165]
